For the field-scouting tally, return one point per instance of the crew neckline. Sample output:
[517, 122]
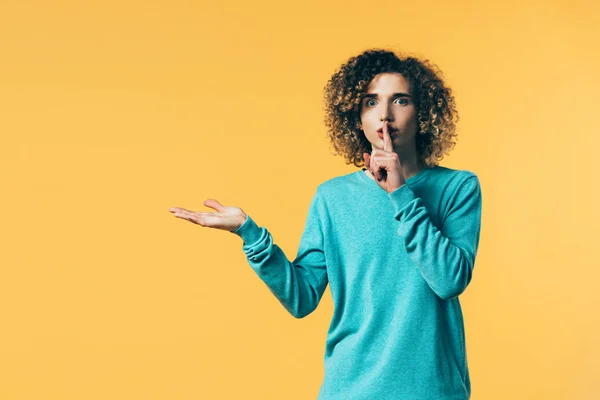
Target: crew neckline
[362, 174]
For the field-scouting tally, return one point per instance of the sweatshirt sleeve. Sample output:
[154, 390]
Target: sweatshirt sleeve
[445, 257]
[298, 285]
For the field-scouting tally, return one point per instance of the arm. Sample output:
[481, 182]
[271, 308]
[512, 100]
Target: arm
[445, 257]
[298, 285]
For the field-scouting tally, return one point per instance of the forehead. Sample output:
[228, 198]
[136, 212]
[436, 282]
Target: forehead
[389, 82]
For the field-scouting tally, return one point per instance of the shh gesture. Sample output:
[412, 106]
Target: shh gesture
[384, 164]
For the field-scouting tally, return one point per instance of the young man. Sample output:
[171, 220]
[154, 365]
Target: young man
[395, 241]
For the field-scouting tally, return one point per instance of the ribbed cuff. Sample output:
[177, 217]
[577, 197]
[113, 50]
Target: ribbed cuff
[400, 198]
[249, 231]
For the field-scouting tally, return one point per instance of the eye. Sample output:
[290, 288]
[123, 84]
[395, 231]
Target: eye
[368, 101]
[400, 98]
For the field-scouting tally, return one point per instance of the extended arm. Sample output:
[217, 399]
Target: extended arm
[298, 285]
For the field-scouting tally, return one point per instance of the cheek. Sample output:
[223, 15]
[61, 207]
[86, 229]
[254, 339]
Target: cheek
[369, 123]
[410, 121]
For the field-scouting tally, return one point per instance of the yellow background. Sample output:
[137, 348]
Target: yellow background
[111, 112]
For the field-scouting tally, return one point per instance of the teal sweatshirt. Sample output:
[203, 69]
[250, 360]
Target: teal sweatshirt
[395, 264]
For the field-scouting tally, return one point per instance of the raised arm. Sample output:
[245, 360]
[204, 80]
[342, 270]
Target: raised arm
[445, 257]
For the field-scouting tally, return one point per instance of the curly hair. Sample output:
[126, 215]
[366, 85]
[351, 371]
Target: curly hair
[434, 102]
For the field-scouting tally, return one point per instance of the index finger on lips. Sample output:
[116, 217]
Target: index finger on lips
[387, 141]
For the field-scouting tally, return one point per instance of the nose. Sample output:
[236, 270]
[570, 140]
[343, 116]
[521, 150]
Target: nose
[386, 115]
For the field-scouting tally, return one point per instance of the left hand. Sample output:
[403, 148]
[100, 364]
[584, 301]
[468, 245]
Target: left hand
[385, 164]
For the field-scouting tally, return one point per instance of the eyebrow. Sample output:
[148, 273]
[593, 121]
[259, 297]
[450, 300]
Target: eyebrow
[375, 95]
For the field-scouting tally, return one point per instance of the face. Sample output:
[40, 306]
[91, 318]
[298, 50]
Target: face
[388, 97]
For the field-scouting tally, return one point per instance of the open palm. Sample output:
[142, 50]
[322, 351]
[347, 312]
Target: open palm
[228, 218]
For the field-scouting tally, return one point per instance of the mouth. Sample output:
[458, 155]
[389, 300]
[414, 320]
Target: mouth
[391, 132]
[390, 129]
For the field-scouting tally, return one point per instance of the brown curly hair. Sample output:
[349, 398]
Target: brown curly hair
[434, 102]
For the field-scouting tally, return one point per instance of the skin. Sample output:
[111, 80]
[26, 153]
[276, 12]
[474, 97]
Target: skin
[394, 157]
[227, 218]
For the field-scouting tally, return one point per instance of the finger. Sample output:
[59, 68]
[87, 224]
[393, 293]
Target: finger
[387, 141]
[208, 219]
[375, 168]
[182, 213]
[186, 217]
[370, 164]
[382, 153]
[382, 164]
[212, 203]
[176, 209]
[196, 217]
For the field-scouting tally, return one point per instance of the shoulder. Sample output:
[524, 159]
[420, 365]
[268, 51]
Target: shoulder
[454, 179]
[451, 174]
[336, 185]
[456, 187]
[335, 191]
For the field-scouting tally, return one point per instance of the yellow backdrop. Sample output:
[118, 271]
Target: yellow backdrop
[111, 112]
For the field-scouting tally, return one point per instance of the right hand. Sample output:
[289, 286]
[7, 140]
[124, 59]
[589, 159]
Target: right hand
[227, 218]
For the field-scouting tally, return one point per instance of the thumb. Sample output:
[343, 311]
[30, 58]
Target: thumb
[212, 203]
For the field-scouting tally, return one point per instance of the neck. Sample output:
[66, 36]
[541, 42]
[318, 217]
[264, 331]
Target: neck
[410, 164]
